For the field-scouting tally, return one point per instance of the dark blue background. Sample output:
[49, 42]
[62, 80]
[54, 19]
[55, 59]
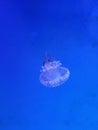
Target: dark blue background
[68, 31]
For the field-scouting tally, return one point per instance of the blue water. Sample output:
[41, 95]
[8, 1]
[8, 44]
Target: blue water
[68, 31]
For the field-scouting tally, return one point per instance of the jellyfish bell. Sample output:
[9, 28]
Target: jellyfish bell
[53, 74]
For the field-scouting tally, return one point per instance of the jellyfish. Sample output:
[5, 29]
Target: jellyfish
[52, 73]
